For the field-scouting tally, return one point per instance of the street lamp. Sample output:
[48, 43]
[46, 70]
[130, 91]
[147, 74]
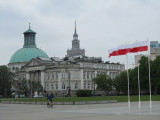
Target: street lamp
[94, 84]
[31, 82]
[69, 88]
[31, 88]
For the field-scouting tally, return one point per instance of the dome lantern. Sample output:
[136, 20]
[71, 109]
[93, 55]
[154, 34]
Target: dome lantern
[29, 38]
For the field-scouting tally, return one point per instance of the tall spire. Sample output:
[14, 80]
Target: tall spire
[75, 28]
[75, 35]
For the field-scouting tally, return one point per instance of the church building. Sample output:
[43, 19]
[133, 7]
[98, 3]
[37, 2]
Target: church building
[25, 54]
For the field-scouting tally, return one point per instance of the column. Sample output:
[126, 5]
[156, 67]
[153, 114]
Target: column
[27, 76]
[81, 78]
[59, 81]
[42, 79]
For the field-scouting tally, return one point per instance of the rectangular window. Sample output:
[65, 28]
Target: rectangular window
[76, 86]
[84, 85]
[84, 75]
[52, 86]
[57, 76]
[63, 75]
[69, 75]
[88, 86]
[52, 76]
[87, 75]
[57, 86]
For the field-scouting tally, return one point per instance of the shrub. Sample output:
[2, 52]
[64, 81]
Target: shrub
[83, 93]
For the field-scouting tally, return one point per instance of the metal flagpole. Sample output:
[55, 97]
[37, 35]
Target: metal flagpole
[139, 85]
[128, 81]
[149, 72]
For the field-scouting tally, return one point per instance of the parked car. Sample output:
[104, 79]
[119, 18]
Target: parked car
[38, 96]
[22, 96]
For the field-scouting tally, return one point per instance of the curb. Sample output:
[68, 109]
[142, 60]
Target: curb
[60, 103]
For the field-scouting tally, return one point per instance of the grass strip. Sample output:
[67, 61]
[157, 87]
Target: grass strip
[97, 98]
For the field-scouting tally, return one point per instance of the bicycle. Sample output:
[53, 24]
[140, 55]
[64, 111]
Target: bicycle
[49, 104]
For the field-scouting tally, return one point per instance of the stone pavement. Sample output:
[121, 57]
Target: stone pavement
[112, 111]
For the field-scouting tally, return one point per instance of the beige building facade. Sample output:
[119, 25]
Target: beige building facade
[57, 76]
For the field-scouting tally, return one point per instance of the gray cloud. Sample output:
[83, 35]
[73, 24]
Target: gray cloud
[101, 25]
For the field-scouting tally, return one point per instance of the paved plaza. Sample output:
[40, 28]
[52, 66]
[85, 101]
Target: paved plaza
[112, 111]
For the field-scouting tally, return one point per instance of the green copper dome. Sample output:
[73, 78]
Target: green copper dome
[26, 54]
[29, 49]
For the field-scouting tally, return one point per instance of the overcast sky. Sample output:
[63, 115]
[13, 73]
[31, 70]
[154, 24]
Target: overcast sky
[101, 25]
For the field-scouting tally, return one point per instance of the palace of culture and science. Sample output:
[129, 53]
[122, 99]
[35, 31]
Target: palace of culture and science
[59, 75]
[75, 50]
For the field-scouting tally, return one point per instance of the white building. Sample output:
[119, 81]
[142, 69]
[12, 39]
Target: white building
[56, 75]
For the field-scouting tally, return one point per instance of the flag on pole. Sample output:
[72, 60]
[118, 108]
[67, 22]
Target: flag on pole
[129, 48]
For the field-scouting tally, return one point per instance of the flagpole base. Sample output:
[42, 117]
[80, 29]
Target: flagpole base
[129, 104]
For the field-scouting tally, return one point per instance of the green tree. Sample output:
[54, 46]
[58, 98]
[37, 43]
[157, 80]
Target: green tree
[21, 86]
[6, 78]
[155, 75]
[143, 74]
[133, 80]
[121, 83]
[104, 83]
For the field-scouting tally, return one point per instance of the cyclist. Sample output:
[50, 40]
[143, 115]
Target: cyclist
[50, 103]
[50, 97]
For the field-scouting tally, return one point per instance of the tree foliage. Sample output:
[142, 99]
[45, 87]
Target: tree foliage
[121, 81]
[6, 78]
[25, 87]
[21, 86]
[104, 83]
[155, 75]
[83, 93]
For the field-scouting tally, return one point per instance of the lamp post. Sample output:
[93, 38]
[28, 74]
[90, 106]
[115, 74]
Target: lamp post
[31, 82]
[94, 84]
[69, 88]
[31, 86]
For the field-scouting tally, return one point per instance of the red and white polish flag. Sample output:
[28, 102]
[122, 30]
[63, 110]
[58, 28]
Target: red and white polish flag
[129, 48]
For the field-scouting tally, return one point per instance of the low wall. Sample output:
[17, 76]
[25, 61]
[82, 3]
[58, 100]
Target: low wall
[60, 103]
